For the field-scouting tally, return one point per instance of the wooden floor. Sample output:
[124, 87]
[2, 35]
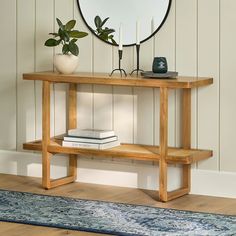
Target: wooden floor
[106, 193]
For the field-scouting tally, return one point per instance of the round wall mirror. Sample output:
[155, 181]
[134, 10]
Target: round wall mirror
[128, 21]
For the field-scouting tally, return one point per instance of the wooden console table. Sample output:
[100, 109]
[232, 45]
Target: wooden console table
[162, 154]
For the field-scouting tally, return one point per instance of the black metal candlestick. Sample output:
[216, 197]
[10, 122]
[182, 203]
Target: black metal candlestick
[137, 69]
[120, 53]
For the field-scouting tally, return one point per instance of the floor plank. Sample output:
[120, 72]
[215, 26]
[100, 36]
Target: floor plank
[104, 193]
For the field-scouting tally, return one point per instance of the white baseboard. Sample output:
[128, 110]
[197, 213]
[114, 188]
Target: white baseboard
[214, 183]
[123, 173]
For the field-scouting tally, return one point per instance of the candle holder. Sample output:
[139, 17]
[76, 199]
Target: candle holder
[120, 53]
[137, 70]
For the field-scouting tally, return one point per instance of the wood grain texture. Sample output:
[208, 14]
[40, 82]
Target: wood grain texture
[105, 79]
[186, 136]
[72, 117]
[127, 151]
[46, 134]
[105, 193]
[163, 144]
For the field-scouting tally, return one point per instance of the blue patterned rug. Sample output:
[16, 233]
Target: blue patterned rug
[109, 218]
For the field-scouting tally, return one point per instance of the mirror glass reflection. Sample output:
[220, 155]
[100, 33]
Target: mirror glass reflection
[144, 16]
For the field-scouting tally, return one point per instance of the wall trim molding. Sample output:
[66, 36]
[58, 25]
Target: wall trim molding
[119, 173]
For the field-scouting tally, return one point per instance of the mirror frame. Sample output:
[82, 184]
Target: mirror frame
[126, 45]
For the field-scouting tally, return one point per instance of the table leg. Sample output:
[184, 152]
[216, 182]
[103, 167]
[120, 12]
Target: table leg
[72, 125]
[46, 135]
[163, 195]
[186, 135]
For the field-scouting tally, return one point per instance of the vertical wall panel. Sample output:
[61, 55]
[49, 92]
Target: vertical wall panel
[85, 44]
[64, 10]
[165, 47]
[144, 98]
[25, 63]
[8, 75]
[43, 57]
[123, 99]
[132, 112]
[227, 86]
[123, 114]
[186, 56]
[103, 99]
[85, 92]
[208, 65]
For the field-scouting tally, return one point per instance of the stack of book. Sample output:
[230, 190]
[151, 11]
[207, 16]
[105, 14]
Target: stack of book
[91, 139]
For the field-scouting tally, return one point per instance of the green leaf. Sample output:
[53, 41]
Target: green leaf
[108, 31]
[61, 26]
[65, 49]
[54, 34]
[73, 48]
[77, 34]
[104, 37]
[70, 25]
[51, 43]
[73, 40]
[103, 23]
[98, 21]
[64, 35]
[113, 41]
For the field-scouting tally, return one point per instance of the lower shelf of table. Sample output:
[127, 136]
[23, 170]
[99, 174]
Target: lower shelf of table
[127, 151]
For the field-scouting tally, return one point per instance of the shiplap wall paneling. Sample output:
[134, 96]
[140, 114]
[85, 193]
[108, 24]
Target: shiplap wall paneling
[208, 65]
[44, 24]
[25, 63]
[186, 57]
[227, 86]
[85, 92]
[165, 47]
[64, 10]
[103, 98]
[8, 75]
[123, 99]
[144, 98]
[103, 95]
[123, 114]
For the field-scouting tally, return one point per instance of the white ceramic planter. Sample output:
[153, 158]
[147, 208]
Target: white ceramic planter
[66, 64]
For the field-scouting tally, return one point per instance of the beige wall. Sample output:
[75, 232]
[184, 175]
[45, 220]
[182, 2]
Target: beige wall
[198, 38]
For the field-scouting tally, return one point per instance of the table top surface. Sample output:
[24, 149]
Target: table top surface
[133, 81]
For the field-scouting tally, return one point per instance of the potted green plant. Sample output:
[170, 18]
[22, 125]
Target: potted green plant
[67, 61]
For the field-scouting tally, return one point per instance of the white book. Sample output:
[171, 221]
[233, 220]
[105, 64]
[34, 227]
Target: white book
[91, 133]
[90, 140]
[91, 145]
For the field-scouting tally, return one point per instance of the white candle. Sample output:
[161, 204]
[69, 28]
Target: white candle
[137, 32]
[121, 38]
